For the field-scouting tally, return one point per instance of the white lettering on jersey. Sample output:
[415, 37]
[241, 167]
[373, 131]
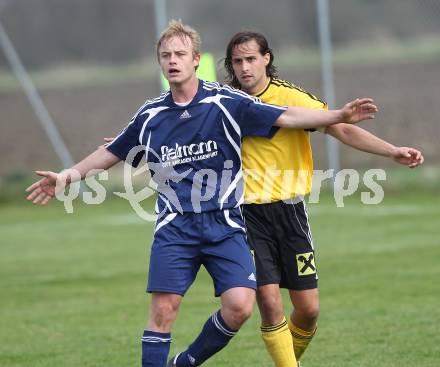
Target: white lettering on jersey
[195, 151]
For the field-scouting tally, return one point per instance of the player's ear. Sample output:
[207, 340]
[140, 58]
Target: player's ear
[266, 58]
[196, 59]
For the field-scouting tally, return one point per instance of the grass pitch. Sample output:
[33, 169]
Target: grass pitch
[72, 287]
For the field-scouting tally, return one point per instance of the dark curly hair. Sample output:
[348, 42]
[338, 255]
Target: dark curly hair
[238, 39]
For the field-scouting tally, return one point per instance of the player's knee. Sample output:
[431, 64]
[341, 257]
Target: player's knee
[269, 305]
[271, 310]
[246, 311]
[310, 312]
[238, 312]
[163, 315]
[240, 315]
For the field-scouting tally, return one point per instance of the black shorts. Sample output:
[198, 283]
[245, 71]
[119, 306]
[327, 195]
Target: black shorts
[280, 237]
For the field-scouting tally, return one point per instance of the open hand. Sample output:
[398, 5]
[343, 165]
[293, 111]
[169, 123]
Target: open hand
[358, 110]
[45, 189]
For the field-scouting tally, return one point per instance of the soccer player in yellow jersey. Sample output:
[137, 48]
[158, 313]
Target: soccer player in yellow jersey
[279, 174]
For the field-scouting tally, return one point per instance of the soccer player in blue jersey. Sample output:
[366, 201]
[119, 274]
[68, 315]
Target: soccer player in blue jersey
[191, 139]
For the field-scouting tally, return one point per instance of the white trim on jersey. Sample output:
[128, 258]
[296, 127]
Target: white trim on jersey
[230, 188]
[231, 120]
[166, 220]
[120, 133]
[229, 89]
[240, 201]
[231, 222]
[152, 112]
[148, 102]
[217, 100]
[167, 203]
[152, 101]
[231, 140]
[147, 148]
[238, 177]
[213, 85]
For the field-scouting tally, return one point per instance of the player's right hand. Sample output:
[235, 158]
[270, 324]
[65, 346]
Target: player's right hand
[45, 189]
[358, 110]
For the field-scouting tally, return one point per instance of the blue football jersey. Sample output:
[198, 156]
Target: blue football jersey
[193, 151]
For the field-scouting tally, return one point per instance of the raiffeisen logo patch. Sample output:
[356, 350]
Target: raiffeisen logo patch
[186, 153]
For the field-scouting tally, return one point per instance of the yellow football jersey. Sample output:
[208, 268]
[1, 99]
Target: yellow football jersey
[279, 168]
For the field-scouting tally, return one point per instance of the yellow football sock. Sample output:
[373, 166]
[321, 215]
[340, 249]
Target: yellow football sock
[300, 338]
[278, 341]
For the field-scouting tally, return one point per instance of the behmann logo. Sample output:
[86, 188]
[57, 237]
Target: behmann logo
[185, 115]
[186, 153]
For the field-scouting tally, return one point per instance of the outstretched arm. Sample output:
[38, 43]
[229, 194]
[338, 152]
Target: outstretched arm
[304, 118]
[361, 139]
[45, 189]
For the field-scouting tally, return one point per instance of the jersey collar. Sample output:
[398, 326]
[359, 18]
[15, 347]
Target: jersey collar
[264, 89]
[199, 95]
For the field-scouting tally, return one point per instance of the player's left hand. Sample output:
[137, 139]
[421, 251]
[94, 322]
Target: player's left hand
[407, 156]
[358, 110]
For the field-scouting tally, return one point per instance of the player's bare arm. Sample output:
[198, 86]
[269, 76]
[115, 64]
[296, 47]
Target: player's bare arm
[304, 118]
[363, 140]
[44, 190]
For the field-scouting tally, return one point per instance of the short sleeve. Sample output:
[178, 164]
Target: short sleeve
[126, 145]
[257, 118]
[308, 100]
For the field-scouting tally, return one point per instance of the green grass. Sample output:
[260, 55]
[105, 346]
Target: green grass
[72, 287]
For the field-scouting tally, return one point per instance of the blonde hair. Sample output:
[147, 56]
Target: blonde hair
[177, 29]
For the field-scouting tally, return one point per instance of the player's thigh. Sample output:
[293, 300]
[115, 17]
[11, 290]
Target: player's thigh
[230, 264]
[260, 228]
[298, 267]
[305, 301]
[174, 261]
